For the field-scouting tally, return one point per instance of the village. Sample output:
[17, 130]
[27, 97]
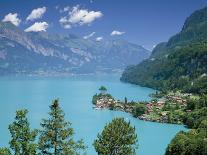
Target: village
[167, 109]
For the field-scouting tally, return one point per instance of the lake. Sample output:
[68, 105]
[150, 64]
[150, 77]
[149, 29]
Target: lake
[75, 94]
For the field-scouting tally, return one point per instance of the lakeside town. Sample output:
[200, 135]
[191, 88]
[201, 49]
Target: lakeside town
[169, 108]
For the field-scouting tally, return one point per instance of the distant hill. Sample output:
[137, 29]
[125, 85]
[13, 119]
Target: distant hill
[180, 63]
[36, 53]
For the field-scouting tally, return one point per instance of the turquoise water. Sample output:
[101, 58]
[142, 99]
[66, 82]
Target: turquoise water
[75, 95]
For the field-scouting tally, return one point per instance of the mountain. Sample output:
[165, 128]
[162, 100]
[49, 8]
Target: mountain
[180, 63]
[34, 53]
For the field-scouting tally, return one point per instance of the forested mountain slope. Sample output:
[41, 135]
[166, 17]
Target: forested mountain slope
[180, 63]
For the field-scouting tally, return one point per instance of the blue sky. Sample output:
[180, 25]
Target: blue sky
[145, 22]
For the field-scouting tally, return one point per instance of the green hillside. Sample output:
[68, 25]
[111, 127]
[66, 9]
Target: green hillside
[179, 64]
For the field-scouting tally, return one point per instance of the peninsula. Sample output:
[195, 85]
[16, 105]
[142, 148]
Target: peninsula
[170, 108]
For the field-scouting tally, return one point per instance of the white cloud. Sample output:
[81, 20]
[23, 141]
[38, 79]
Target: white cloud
[89, 36]
[67, 8]
[67, 26]
[118, 33]
[37, 26]
[77, 16]
[12, 18]
[64, 22]
[36, 13]
[99, 38]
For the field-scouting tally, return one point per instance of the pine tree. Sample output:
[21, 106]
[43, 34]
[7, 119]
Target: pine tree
[22, 142]
[117, 138]
[56, 136]
[125, 100]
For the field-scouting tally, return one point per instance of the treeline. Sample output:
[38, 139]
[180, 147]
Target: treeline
[56, 136]
[180, 63]
[198, 108]
[183, 68]
[194, 141]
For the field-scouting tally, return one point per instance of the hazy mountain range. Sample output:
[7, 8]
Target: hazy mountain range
[39, 53]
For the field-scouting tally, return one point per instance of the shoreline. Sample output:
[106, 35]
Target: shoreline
[139, 118]
[154, 109]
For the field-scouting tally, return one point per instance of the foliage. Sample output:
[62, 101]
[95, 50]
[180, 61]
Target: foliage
[22, 142]
[175, 117]
[194, 141]
[203, 124]
[184, 69]
[179, 64]
[139, 109]
[125, 100]
[193, 119]
[198, 112]
[197, 103]
[188, 143]
[118, 137]
[5, 151]
[99, 96]
[56, 136]
[102, 88]
[94, 99]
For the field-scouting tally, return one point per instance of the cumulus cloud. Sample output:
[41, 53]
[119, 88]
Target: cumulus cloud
[77, 16]
[99, 39]
[64, 22]
[12, 18]
[67, 8]
[36, 14]
[89, 36]
[67, 26]
[116, 33]
[37, 27]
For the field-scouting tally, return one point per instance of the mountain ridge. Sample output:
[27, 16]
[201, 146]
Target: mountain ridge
[180, 63]
[66, 54]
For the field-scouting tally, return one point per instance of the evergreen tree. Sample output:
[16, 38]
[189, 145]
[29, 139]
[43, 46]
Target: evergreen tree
[117, 138]
[56, 136]
[125, 100]
[22, 142]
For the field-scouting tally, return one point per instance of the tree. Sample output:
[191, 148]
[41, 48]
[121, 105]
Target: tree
[139, 109]
[203, 124]
[56, 136]
[117, 138]
[22, 142]
[193, 119]
[5, 151]
[95, 98]
[192, 142]
[125, 100]
[103, 90]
